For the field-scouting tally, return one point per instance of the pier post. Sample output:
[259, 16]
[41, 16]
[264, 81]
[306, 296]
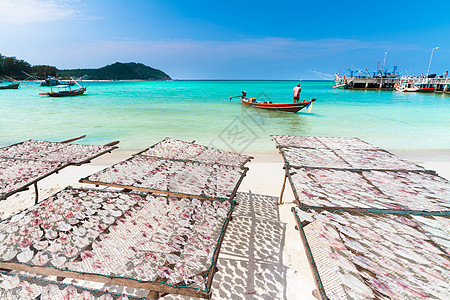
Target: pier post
[367, 85]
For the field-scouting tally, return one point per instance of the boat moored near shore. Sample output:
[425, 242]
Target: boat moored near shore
[340, 82]
[52, 81]
[287, 107]
[65, 93]
[412, 87]
[12, 86]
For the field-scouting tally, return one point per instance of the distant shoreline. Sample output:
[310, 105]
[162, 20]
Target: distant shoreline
[289, 80]
[142, 80]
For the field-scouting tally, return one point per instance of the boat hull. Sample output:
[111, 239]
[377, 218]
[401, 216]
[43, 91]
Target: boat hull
[415, 90]
[340, 86]
[13, 86]
[66, 93]
[287, 107]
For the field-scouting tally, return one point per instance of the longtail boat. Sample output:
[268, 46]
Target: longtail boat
[52, 81]
[65, 93]
[12, 86]
[288, 107]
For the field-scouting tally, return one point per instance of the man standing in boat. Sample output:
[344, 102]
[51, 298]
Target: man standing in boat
[297, 90]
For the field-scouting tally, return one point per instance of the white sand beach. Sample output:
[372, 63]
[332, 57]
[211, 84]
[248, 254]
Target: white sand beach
[262, 256]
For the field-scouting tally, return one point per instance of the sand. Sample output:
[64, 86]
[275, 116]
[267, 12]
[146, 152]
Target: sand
[271, 263]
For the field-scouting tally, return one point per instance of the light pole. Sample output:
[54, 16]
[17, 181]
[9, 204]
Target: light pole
[431, 57]
[384, 62]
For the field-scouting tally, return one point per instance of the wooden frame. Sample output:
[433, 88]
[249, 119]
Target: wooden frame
[170, 193]
[312, 264]
[280, 201]
[44, 282]
[238, 184]
[32, 182]
[324, 145]
[278, 146]
[312, 261]
[88, 160]
[212, 269]
[287, 168]
[63, 165]
[193, 160]
[362, 209]
[111, 144]
[161, 287]
[320, 288]
[62, 142]
[156, 288]
[286, 161]
[73, 139]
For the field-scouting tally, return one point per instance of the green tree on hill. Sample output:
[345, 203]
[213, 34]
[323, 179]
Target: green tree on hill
[11, 66]
[44, 71]
[118, 71]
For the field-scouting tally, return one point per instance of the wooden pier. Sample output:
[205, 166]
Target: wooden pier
[440, 85]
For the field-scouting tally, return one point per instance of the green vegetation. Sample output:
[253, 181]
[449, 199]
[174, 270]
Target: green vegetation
[44, 71]
[13, 67]
[118, 71]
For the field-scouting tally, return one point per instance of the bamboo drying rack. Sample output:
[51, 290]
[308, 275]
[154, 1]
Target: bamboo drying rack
[166, 192]
[157, 288]
[191, 159]
[63, 165]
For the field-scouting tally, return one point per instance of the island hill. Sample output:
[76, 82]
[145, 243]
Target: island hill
[17, 68]
[117, 71]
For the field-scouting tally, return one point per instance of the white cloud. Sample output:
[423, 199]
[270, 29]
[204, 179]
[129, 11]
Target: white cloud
[31, 11]
[271, 57]
[258, 49]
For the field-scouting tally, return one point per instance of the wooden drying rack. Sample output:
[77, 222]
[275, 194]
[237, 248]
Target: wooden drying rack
[170, 193]
[156, 288]
[63, 165]
[191, 159]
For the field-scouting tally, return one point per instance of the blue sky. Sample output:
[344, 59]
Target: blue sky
[229, 39]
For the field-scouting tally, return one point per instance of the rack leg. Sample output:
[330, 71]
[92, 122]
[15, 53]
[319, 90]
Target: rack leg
[153, 295]
[282, 189]
[36, 193]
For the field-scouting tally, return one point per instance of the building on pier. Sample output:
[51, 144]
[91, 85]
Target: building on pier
[439, 85]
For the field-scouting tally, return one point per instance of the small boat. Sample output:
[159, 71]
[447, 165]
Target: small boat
[340, 82]
[412, 87]
[52, 81]
[65, 93]
[288, 107]
[12, 86]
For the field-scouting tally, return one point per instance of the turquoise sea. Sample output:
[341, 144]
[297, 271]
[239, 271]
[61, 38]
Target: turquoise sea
[139, 113]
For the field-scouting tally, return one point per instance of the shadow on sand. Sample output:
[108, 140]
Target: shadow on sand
[251, 259]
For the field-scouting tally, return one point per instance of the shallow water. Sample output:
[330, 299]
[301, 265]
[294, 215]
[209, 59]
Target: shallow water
[140, 113]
